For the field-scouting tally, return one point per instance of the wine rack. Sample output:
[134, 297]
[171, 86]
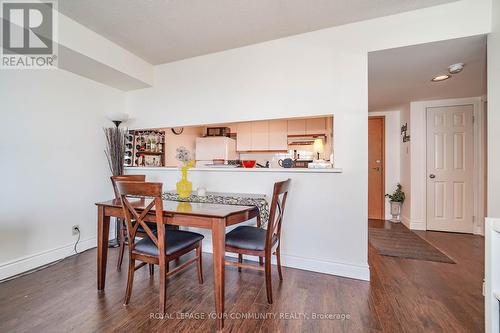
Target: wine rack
[145, 148]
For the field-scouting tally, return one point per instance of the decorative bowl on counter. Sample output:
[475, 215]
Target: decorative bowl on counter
[248, 163]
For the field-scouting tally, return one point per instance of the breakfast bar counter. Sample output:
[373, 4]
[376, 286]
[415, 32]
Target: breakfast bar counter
[214, 169]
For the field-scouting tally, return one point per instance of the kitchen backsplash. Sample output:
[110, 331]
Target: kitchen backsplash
[274, 157]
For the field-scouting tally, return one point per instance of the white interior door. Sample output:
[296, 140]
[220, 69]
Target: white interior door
[450, 162]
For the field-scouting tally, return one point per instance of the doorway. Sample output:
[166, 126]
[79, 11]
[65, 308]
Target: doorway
[376, 162]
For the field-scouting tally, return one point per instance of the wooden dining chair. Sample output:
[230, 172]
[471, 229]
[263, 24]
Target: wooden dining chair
[160, 247]
[122, 232]
[259, 242]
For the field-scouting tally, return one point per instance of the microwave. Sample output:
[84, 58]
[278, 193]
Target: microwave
[218, 131]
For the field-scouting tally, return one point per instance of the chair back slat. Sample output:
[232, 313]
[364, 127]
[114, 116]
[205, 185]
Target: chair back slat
[128, 189]
[277, 211]
[139, 219]
[130, 178]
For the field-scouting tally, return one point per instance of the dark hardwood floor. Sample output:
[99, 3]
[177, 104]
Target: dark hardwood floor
[404, 295]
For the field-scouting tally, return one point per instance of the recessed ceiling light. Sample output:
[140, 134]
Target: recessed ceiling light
[456, 68]
[440, 78]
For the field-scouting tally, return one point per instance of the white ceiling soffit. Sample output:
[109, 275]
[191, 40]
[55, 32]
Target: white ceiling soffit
[161, 31]
[399, 76]
[90, 68]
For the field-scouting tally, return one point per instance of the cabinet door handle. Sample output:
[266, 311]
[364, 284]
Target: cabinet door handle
[432, 176]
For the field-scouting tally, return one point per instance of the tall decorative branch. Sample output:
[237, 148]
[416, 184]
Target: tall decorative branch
[115, 149]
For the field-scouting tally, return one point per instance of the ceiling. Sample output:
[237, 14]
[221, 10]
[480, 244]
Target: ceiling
[399, 76]
[161, 31]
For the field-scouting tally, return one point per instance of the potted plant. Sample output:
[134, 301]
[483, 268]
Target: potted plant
[396, 199]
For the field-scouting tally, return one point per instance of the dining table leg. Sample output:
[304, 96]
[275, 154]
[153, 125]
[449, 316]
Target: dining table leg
[218, 246]
[102, 247]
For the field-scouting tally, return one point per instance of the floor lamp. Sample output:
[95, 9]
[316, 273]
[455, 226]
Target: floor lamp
[115, 152]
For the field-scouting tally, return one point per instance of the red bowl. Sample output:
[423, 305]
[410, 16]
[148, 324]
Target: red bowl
[248, 163]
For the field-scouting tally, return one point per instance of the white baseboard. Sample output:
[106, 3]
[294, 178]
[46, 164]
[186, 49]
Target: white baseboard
[413, 224]
[478, 230]
[27, 263]
[359, 272]
[417, 225]
[405, 221]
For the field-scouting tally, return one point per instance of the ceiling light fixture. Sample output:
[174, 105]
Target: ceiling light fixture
[456, 68]
[440, 78]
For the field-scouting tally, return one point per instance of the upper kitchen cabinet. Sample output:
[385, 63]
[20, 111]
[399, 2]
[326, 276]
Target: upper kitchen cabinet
[315, 126]
[278, 135]
[297, 127]
[307, 126]
[262, 136]
[244, 137]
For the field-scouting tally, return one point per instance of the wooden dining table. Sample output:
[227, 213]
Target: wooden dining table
[215, 217]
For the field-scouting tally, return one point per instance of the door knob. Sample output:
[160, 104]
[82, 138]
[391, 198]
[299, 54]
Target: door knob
[432, 176]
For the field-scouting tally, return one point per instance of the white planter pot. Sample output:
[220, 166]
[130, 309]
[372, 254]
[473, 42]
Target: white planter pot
[396, 211]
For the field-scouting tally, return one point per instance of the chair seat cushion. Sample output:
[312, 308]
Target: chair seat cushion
[176, 240]
[247, 238]
[151, 225]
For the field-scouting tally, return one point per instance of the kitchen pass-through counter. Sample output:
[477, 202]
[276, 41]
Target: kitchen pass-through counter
[131, 170]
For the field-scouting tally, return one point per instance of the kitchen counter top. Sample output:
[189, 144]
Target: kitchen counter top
[278, 170]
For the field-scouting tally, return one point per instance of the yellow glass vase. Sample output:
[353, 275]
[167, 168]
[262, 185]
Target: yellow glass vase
[184, 207]
[184, 186]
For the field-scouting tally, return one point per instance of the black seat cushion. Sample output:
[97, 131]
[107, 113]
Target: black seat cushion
[152, 226]
[248, 238]
[176, 240]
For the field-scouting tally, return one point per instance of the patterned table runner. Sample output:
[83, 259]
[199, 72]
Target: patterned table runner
[242, 199]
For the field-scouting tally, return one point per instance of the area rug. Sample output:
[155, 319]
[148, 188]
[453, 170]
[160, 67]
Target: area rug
[404, 243]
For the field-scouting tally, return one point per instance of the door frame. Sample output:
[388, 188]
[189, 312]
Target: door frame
[418, 174]
[383, 161]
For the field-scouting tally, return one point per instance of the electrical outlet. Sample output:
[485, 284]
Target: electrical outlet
[75, 229]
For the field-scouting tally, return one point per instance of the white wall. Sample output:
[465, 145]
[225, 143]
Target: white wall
[316, 73]
[53, 166]
[405, 164]
[277, 82]
[492, 271]
[392, 153]
[494, 114]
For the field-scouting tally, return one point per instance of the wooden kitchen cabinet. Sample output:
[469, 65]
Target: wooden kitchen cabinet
[278, 135]
[244, 137]
[315, 126]
[307, 126]
[296, 127]
[260, 135]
